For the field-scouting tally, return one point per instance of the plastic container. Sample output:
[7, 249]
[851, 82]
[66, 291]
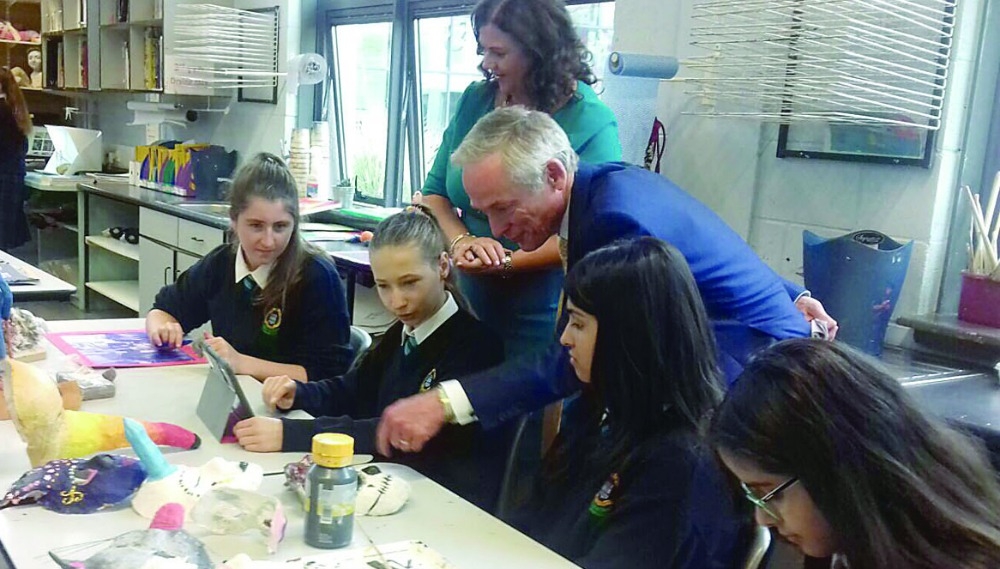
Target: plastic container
[858, 278]
[979, 302]
[331, 488]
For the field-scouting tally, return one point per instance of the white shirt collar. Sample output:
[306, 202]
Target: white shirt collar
[259, 275]
[429, 326]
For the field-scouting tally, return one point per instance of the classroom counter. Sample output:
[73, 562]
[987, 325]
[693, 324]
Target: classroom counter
[167, 203]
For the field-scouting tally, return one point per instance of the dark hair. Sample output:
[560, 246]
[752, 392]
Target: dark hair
[265, 176]
[899, 488]
[544, 30]
[417, 226]
[654, 367]
[15, 100]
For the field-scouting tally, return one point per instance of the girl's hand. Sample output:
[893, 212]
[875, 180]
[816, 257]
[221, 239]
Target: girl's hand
[279, 392]
[226, 352]
[475, 253]
[259, 434]
[163, 330]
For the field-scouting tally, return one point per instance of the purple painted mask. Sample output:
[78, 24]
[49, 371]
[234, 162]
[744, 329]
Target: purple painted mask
[79, 485]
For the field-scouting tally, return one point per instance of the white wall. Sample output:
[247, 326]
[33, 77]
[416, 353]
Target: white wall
[247, 127]
[731, 165]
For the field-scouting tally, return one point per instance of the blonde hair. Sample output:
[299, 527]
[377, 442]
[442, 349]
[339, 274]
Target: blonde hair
[526, 140]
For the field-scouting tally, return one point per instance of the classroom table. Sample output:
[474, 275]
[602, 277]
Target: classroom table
[353, 262]
[47, 287]
[467, 536]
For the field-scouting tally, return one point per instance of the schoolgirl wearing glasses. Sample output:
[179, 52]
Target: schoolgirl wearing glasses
[841, 463]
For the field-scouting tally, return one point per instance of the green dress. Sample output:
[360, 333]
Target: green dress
[522, 309]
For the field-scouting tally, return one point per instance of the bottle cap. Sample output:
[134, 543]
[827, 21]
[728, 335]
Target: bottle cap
[332, 450]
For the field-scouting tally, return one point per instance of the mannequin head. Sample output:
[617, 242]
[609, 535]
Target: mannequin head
[35, 60]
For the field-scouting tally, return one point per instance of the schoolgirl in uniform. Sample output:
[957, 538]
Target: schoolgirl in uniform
[436, 338]
[276, 304]
[840, 462]
[626, 483]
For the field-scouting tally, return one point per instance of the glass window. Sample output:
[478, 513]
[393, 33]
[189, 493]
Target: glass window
[449, 62]
[595, 24]
[363, 52]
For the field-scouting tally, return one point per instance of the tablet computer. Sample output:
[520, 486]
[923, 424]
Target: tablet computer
[222, 403]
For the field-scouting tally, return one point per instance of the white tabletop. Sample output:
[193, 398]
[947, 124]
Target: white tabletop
[47, 286]
[467, 536]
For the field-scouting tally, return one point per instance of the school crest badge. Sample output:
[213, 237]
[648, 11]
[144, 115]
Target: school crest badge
[428, 381]
[272, 321]
[604, 500]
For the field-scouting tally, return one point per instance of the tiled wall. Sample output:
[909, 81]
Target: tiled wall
[731, 165]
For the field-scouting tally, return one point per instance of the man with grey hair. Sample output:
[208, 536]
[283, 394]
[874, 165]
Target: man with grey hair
[520, 170]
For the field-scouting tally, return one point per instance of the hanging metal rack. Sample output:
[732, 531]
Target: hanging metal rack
[839, 61]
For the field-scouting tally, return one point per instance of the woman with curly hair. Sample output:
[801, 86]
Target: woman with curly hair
[15, 126]
[533, 57]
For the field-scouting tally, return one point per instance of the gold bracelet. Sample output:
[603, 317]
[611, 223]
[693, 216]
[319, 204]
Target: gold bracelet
[451, 246]
[449, 412]
[508, 264]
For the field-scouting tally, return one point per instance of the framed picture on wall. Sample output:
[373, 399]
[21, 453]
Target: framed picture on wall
[268, 94]
[893, 142]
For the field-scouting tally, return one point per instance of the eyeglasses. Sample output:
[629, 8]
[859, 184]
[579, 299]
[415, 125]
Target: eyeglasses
[763, 500]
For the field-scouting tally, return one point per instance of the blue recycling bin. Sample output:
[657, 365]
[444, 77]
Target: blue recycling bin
[857, 277]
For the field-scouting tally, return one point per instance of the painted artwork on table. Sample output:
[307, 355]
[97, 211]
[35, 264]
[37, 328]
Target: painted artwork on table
[121, 348]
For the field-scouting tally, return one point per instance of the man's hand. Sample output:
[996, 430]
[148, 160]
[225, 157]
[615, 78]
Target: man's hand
[409, 423]
[813, 309]
[279, 392]
[259, 434]
[226, 352]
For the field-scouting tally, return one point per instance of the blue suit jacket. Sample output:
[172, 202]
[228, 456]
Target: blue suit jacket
[742, 295]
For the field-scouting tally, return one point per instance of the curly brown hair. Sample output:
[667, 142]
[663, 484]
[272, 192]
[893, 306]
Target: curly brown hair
[545, 32]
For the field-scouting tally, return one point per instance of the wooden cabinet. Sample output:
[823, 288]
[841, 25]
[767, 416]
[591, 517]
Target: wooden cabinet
[132, 45]
[20, 27]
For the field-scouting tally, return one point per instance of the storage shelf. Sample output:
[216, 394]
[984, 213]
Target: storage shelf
[12, 42]
[117, 90]
[125, 293]
[115, 246]
[137, 23]
[66, 91]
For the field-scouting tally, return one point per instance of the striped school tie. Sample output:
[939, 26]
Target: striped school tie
[409, 344]
[249, 287]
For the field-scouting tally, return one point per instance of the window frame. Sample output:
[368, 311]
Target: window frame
[405, 134]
